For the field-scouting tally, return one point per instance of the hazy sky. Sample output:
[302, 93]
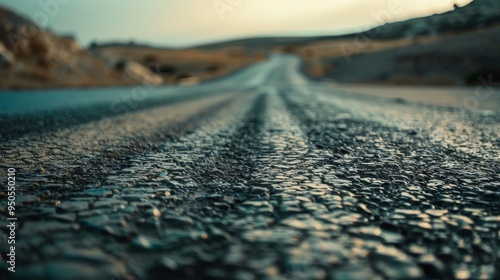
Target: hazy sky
[188, 22]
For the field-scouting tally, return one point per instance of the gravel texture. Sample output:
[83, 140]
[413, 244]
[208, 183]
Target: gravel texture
[272, 182]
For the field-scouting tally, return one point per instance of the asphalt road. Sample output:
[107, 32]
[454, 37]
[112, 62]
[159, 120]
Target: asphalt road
[260, 175]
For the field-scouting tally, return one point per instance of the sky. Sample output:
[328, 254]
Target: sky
[181, 23]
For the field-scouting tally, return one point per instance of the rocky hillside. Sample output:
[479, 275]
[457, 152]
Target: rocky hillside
[456, 48]
[479, 13]
[31, 57]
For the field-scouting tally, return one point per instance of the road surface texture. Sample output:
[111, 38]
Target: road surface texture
[261, 175]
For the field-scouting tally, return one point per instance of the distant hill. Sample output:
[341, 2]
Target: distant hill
[267, 43]
[118, 44]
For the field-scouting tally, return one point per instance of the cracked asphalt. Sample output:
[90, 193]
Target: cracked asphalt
[262, 175]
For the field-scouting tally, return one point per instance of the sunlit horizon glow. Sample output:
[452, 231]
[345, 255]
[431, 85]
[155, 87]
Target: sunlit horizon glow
[180, 23]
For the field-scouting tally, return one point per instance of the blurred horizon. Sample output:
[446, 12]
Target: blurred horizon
[180, 24]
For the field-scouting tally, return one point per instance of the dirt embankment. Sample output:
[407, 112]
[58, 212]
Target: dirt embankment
[460, 59]
[182, 66]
